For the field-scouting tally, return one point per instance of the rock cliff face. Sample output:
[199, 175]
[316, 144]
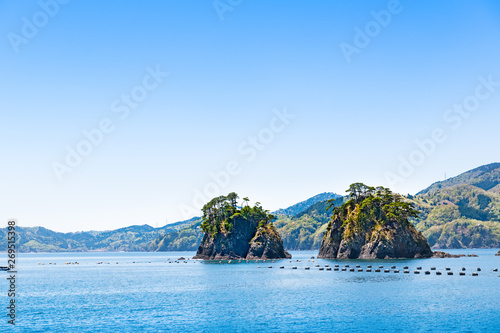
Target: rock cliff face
[234, 233]
[246, 241]
[390, 241]
[373, 224]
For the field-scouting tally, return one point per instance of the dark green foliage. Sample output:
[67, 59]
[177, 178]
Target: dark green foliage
[374, 205]
[483, 201]
[471, 212]
[486, 184]
[219, 214]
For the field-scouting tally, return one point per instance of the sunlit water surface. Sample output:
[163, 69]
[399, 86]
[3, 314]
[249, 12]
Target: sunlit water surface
[141, 292]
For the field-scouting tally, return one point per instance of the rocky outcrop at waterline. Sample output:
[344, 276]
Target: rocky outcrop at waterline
[238, 233]
[498, 253]
[373, 224]
[441, 254]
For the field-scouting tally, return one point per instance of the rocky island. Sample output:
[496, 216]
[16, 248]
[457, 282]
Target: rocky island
[373, 223]
[233, 232]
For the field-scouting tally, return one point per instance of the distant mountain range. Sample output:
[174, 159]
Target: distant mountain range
[460, 212]
[133, 238]
[303, 205]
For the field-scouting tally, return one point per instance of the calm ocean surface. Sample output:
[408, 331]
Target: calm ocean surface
[142, 292]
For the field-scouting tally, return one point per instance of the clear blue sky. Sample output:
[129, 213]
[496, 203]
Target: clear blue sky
[65, 70]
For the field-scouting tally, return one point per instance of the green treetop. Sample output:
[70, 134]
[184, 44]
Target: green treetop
[220, 213]
[368, 206]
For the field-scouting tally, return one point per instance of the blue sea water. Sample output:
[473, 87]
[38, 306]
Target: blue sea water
[143, 292]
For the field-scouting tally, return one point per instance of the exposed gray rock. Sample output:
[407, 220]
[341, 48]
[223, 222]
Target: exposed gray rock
[393, 240]
[246, 241]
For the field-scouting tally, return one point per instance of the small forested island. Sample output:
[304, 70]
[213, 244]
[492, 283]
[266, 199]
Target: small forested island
[373, 223]
[232, 232]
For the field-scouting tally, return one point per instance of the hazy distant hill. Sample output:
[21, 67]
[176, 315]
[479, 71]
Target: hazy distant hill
[464, 211]
[186, 239]
[303, 205]
[133, 238]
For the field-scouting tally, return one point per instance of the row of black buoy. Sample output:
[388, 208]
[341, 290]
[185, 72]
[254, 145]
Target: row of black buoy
[406, 270]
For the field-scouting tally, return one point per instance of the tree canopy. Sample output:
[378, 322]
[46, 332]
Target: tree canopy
[367, 206]
[220, 213]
